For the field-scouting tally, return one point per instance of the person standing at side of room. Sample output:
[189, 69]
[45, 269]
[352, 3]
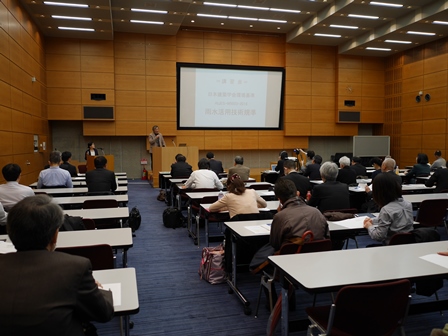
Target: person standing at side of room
[155, 139]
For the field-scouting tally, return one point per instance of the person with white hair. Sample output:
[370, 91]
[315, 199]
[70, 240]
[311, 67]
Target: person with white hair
[346, 174]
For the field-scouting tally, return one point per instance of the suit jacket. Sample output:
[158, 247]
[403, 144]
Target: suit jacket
[346, 175]
[242, 171]
[439, 178]
[181, 169]
[312, 171]
[153, 142]
[359, 169]
[302, 183]
[101, 179]
[280, 167]
[71, 168]
[216, 166]
[331, 195]
[49, 293]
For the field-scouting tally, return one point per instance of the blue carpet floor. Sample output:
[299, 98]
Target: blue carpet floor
[174, 301]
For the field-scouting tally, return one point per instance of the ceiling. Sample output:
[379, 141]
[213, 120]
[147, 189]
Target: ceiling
[256, 16]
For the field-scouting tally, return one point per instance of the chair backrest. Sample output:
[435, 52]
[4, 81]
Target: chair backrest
[82, 168]
[100, 193]
[89, 223]
[101, 203]
[260, 186]
[432, 212]
[296, 244]
[209, 199]
[402, 238]
[317, 246]
[376, 309]
[101, 256]
[425, 235]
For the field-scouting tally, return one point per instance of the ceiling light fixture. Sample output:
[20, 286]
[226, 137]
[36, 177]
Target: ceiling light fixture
[284, 10]
[212, 16]
[364, 16]
[420, 33]
[147, 22]
[397, 41]
[242, 18]
[218, 4]
[345, 27]
[269, 20]
[441, 22]
[148, 11]
[74, 28]
[253, 7]
[66, 4]
[327, 35]
[378, 49]
[376, 3]
[71, 18]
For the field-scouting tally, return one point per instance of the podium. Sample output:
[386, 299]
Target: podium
[110, 162]
[163, 158]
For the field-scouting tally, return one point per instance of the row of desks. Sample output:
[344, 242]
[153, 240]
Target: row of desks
[57, 192]
[83, 183]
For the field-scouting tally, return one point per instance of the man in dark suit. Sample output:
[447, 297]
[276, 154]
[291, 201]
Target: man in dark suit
[301, 182]
[439, 178]
[66, 156]
[330, 195]
[238, 168]
[357, 167]
[312, 170]
[346, 175]
[215, 165]
[100, 179]
[181, 168]
[45, 292]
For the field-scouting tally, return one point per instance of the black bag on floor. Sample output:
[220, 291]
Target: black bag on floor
[173, 218]
[135, 219]
[72, 223]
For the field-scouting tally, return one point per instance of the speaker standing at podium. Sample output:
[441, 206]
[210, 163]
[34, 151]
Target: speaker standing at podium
[91, 151]
[155, 140]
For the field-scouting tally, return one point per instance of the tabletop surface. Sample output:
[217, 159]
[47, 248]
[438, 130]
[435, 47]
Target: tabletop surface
[80, 190]
[102, 213]
[81, 199]
[418, 198]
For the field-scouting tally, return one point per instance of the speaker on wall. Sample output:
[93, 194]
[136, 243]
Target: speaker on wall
[349, 116]
[99, 113]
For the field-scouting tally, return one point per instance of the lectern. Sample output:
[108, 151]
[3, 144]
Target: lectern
[163, 158]
[110, 162]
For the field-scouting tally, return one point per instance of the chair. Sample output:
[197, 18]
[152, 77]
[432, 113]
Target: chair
[82, 168]
[402, 238]
[260, 186]
[89, 224]
[101, 256]
[103, 203]
[432, 213]
[100, 193]
[194, 211]
[369, 310]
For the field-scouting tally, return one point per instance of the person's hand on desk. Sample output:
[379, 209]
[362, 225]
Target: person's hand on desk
[367, 223]
[444, 253]
[99, 284]
[367, 189]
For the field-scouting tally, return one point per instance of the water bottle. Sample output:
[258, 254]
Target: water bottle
[220, 195]
[308, 195]
[397, 170]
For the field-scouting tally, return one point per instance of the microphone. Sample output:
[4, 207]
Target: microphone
[173, 143]
[100, 148]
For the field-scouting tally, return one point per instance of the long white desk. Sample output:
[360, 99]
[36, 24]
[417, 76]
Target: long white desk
[330, 271]
[83, 183]
[103, 213]
[83, 178]
[64, 191]
[418, 198]
[116, 174]
[125, 295]
[73, 200]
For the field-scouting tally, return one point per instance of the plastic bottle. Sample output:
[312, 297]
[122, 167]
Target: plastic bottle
[308, 195]
[397, 170]
[220, 195]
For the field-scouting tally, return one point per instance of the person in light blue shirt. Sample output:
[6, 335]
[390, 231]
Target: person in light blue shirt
[54, 176]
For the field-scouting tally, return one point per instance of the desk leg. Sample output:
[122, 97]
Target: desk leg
[285, 308]
[206, 231]
[126, 325]
[125, 258]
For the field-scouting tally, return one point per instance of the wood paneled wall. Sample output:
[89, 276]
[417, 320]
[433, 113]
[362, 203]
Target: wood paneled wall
[23, 107]
[417, 127]
[138, 74]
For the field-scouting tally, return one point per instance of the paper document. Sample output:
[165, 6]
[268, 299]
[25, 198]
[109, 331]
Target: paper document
[436, 259]
[116, 292]
[262, 229]
[6, 247]
[352, 223]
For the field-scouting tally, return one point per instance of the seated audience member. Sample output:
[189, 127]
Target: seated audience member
[395, 215]
[238, 199]
[346, 174]
[283, 156]
[54, 176]
[309, 159]
[50, 293]
[66, 157]
[12, 192]
[301, 182]
[376, 163]
[3, 219]
[358, 168]
[439, 161]
[203, 178]
[238, 168]
[181, 168]
[422, 168]
[330, 195]
[215, 165]
[312, 170]
[439, 178]
[291, 221]
[100, 179]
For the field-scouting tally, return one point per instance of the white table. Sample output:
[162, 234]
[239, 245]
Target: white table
[116, 174]
[330, 271]
[418, 198]
[81, 183]
[64, 191]
[73, 200]
[83, 178]
[103, 213]
[127, 280]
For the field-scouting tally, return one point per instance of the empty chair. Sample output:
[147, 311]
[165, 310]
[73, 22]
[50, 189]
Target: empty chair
[432, 213]
[369, 310]
[402, 238]
[101, 256]
[100, 193]
[89, 223]
[260, 186]
[82, 168]
[103, 203]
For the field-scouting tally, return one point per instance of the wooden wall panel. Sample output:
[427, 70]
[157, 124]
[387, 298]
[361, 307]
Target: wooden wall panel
[158, 83]
[97, 64]
[411, 141]
[129, 128]
[161, 52]
[322, 116]
[94, 128]
[130, 82]
[411, 127]
[294, 129]
[350, 75]
[322, 128]
[292, 116]
[245, 140]
[190, 55]
[298, 74]
[300, 88]
[323, 75]
[412, 85]
[218, 140]
[131, 113]
[129, 66]
[161, 114]
[414, 69]
[372, 117]
[130, 98]
[271, 59]
[323, 89]
[346, 129]
[432, 127]
[130, 49]
[217, 56]
[67, 63]
[435, 80]
[435, 64]
[5, 118]
[6, 145]
[97, 48]
[297, 102]
[64, 96]
[65, 112]
[434, 111]
[63, 79]
[244, 57]
[433, 143]
[97, 80]
[413, 113]
[157, 98]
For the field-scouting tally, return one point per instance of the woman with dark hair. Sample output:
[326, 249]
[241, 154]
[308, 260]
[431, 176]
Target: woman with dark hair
[280, 164]
[91, 151]
[422, 168]
[376, 163]
[309, 159]
[395, 213]
[238, 199]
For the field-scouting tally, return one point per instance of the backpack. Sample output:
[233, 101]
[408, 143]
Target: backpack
[135, 219]
[173, 218]
[162, 196]
[211, 268]
[72, 223]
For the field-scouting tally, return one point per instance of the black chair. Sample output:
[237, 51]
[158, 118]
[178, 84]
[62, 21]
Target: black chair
[101, 256]
[103, 203]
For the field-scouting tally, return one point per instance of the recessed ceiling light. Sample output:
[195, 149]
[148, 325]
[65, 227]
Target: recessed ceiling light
[379, 49]
[420, 33]
[73, 28]
[147, 22]
[212, 16]
[284, 10]
[327, 35]
[222, 23]
[278, 27]
[251, 26]
[218, 4]
[192, 21]
[148, 11]
[242, 18]
[345, 27]
[376, 3]
[71, 18]
[253, 7]
[269, 20]
[441, 22]
[66, 4]
[397, 41]
[364, 16]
